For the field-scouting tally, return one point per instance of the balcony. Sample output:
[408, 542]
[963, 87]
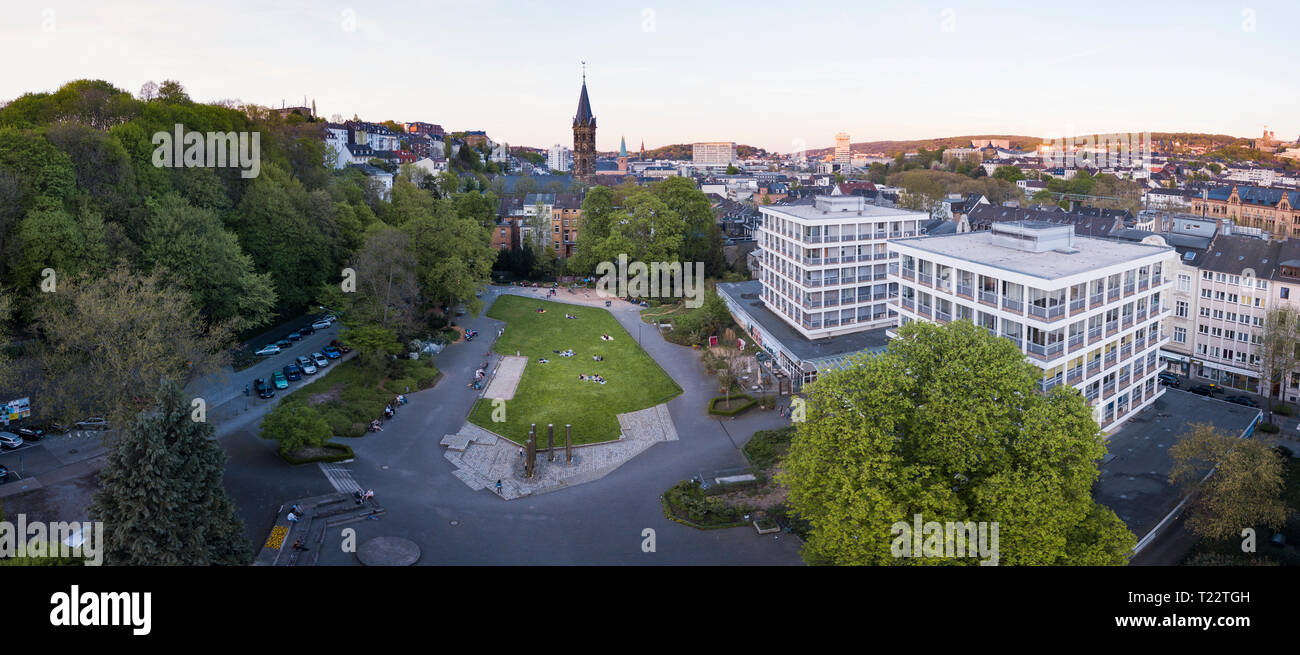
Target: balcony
[816, 238]
[1046, 384]
[1112, 327]
[1108, 389]
[831, 322]
[832, 302]
[831, 260]
[1128, 320]
[965, 290]
[908, 274]
[1091, 394]
[878, 296]
[1142, 314]
[1013, 305]
[989, 298]
[1045, 351]
[812, 325]
[1123, 381]
[864, 278]
[893, 268]
[1094, 367]
[1097, 300]
[882, 255]
[1130, 289]
[1075, 342]
[942, 316]
[1110, 359]
[812, 261]
[909, 304]
[1050, 313]
[812, 283]
[1143, 283]
[1094, 334]
[812, 304]
[1014, 339]
[1078, 305]
[925, 278]
[832, 238]
[1074, 375]
[1112, 294]
[925, 310]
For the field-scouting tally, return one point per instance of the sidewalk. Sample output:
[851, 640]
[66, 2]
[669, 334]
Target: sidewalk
[319, 514]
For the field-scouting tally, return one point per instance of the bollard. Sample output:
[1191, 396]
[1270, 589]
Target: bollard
[550, 442]
[568, 443]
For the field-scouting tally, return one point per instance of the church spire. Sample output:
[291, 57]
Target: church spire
[622, 146]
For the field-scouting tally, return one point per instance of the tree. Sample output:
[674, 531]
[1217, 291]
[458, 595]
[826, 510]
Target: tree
[387, 293]
[373, 344]
[1244, 487]
[728, 372]
[160, 494]
[732, 170]
[948, 423]
[1278, 352]
[173, 92]
[1008, 173]
[295, 427]
[148, 91]
[125, 332]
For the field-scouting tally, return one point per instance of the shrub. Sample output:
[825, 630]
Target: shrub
[338, 453]
[739, 403]
[767, 447]
[1284, 410]
[1269, 428]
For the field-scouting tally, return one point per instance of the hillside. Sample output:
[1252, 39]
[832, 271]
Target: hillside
[891, 148]
[683, 151]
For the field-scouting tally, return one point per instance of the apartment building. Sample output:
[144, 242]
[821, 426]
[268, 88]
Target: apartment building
[1086, 311]
[1276, 211]
[714, 153]
[826, 264]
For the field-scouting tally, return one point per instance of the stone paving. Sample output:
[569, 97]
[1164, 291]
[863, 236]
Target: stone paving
[506, 379]
[482, 457]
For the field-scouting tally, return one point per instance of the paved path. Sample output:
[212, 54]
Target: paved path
[506, 379]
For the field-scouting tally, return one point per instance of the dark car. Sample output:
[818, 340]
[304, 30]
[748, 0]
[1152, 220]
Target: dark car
[1203, 390]
[306, 329]
[331, 352]
[283, 343]
[264, 388]
[4, 474]
[30, 434]
[293, 372]
[343, 348]
[295, 336]
[1242, 400]
[1166, 375]
[1170, 382]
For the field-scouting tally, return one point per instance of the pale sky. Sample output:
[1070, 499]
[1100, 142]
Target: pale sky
[770, 74]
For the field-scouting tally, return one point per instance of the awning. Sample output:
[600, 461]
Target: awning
[1165, 354]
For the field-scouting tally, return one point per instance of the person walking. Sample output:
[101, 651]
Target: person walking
[498, 487]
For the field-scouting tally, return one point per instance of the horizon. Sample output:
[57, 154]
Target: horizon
[663, 76]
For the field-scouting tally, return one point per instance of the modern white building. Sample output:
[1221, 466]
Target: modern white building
[1087, 312]
[826, 266]
[559, 158]
[713, 153]
[843, 152]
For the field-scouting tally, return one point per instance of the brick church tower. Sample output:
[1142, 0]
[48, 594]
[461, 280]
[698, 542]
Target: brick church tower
[584, 136]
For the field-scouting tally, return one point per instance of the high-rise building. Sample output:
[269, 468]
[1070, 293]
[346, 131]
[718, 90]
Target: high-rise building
[559, 158]
[843, 151]
[1087, 312]
[714, 153]
[584, 136]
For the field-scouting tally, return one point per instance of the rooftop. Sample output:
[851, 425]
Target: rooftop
[748, 295]
[979, 247]
[836, 207]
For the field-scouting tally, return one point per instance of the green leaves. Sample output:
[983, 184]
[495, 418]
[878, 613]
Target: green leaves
[947, 424]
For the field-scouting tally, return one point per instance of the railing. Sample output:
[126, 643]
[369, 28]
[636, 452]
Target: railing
[812, 283]
[1075, 341]
[1094, 334]
[1097, 299]
[1013, 305]
[1094, 367]
[1046, 384]
[1108, 389]
[831, 302]
[1046, 351]
[848, 259]
[1124, 380]
[1110, 359]
[1127, 319]
[812, 261]
[832, 238]
[1078, 305]
[1074, 375]
[1129, 288]
[925, 278]
[879, 296]
[908, 274]
[831, 260]
[1112, 293]
[909, 304]
[1091, 394]
[1050, 313]
[1142, 313]
[942, 316]
[893, 268]
[816, 238]
[864, 278]
[966, 290]
[1112, 327]
[1014, 339]
[812, 304]
[831, 322]
[1143, 283]
[925, 310]
[989, 298]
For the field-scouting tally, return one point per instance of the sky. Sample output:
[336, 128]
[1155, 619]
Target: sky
[778, 75]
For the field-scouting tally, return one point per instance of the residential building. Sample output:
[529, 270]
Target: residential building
[566, 214]
[843, 152]
[825, 267]
[1275, 211]
[714, 153]
[1087, 312]
[559, 158]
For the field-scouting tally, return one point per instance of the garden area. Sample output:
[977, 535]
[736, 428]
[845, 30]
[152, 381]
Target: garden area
[341, 403]
[552, 392]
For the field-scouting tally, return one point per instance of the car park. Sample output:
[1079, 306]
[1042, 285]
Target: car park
[308, 367]
[283, 343]
[279, 380]
[331, 352]
[264, 388]
[93, 423]
[269, 349]
[320, 360]
[321, 324]
[1242, 400]
[9, 440]
[293, 372]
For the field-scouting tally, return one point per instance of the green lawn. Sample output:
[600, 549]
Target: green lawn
[349, 395]
[552, 392]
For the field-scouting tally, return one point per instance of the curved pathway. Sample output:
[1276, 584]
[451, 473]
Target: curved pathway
[600, 522]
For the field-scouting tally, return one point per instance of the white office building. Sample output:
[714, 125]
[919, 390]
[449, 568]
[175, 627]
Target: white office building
[826, 266]
[714, 153]
[1087, 312]
[559, 159]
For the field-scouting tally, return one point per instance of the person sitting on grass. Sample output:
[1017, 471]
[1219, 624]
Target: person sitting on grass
[582, 377]
[543, 360]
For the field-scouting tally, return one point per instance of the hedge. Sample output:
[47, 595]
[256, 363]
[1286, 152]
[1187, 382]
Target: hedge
[736, 408]
[344, 452]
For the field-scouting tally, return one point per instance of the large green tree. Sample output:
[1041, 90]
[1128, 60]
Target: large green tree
[160, 495]
[1244, 490]
[947, 423]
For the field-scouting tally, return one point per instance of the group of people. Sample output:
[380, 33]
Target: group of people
[606, 337]
[543, 360]
[363, 497]
[592, 378]
[564, 353]
[541, 310]
[597, 358]
[570, 316]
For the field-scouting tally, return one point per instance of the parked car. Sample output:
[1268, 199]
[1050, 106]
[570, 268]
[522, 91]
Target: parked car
[295, 336]
[264, 389]
[280, 382]
[1166, 375]
[320, 360]
[1170, 382]
[92, 423]
[331, 352]
[321, 324]
[30, 434]
[1242, 400]
[283, 343]
[343, 347]
[9, 440]
[1203, 390]
[308, 367]
[293, 372]
[4, 474]
[269, 349]
[51, 427]
[306, 329]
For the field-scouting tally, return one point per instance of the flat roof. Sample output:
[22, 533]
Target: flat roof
[1135, 472]
[810, 212]
[978, 248]
[748, 295]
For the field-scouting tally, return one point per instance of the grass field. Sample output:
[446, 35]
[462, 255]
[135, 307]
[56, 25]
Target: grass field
[552, 392]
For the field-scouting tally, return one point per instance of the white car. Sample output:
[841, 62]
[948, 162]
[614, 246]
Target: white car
[321, 324]
[320, 360]
[307, 366]
[269, 349]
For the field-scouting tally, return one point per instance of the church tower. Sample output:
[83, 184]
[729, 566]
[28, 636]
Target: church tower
[584, 136]
[622, 156]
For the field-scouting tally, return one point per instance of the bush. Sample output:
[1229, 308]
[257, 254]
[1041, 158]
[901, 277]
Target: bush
[767, 447]
[1269, 428]
[338, 453]
[1284, 410]
[739, 403]
[685, 502]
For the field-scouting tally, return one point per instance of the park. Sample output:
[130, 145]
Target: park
[559, 390]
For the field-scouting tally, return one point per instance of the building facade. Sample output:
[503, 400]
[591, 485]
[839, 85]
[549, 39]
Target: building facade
[713, 153]
[825, 268]
[843, 152]
[1275, 211]
[1087, 312]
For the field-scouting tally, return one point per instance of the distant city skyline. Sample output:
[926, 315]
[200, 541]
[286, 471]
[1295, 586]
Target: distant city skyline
[775, 76]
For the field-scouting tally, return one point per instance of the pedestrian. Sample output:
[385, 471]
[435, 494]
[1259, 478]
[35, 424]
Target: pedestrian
[498, 487]
[297, 544]
[370, 493]
[293, 518]
[246, 390]
[297, 509]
